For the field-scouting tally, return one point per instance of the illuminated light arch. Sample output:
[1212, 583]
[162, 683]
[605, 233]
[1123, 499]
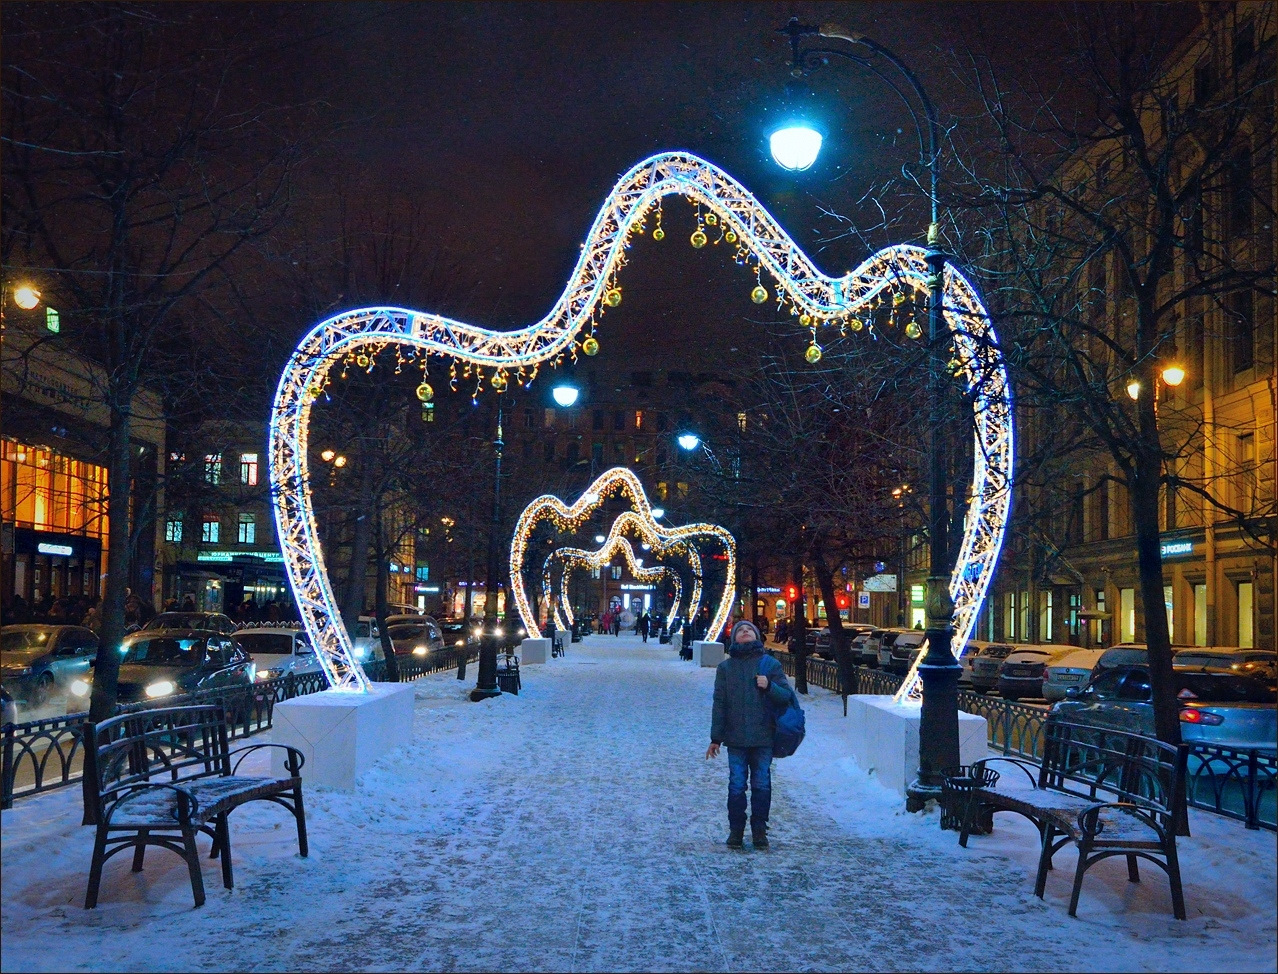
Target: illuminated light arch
[574, 558]
[618, 480]
[820, 298]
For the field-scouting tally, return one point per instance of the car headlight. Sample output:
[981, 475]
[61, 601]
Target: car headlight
[420, 650]
[161, 688]
[360, 652]
[477, 631]
[264, 674]
[81, 688]
[523, 631]
[499, 631]
[460, 642]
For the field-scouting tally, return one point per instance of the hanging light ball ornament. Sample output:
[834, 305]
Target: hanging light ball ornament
[730, 236]
[805, 320]
[712, 218]
[315, 391]
[425, 393]
[498, 382]
[813, 354]
[361, 360]
[590, 346]
[913, 329]
[613, 297]
[698, 239]
[898, 299]
[759, 294]
[856, 324]
[658, 234]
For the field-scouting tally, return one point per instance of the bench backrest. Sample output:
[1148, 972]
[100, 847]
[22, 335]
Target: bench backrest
[164, 744]
[1089, 761]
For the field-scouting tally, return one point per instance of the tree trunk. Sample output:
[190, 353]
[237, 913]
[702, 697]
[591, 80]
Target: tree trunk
[106, 667]
[356, 581]
[383, 580]
[838, 640]
[1144, 499]
[799, 630]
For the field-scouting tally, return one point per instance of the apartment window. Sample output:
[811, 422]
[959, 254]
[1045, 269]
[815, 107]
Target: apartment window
[1045, 617]
[1171, 618]
[741, 422]
[213, 468]
[548, 419]
[1009, 615]
[1022, 623]
[681, 489]
[1169, 507]
[662, 490]
[616, 571]
[550, 451]
[1099, 624]
[1204, 82]
[573, 453]
[248, 469]
[176, 456]
[211, 529]
[597, 453]
[1194, 334]
[428, 412]
[619, 420]
[528, 449]
[530, 419]
[248, 529]
[173, 530]
[1244, 41]
[1075, 606]
[1200, 615]
[1246, 477]
[597, 420]
[662, 454]
[638, 419]
[619, 451]
[663, 422]
[1240, 192]
[1240, 326]
[1126, 615]
[1246, 618]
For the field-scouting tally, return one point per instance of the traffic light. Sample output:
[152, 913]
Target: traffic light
[842, 601]
[792, 593]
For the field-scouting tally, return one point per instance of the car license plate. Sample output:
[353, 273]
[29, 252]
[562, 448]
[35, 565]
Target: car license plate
[1067, 678]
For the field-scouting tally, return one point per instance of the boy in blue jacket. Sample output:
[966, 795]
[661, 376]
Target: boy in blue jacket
[747, 686]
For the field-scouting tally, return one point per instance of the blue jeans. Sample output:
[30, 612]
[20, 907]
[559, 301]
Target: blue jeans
[752, 765]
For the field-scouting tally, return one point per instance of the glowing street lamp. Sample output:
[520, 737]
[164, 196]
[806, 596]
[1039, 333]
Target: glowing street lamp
[658, 512]
[1133, 389]
[689, 441]
[565, 395]
[795, 147]
[26, 297]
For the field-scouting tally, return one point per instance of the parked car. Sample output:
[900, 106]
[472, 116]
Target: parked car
[886, 642]
[164, 662]
[860, 651]
[366, 640]
[455, 632]
[1022, 672]
[414, 635]
[1259, 663]
[1070, 670]
[906, 648]
[278, 651]
[825, 644]
[1216, 707]
[985, 665]
[208, 621]
[973, 649]
[38, 660]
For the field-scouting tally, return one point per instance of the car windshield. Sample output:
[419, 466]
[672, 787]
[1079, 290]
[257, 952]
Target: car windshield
[165, 651]
[23, 640]
[266, 643]
[406, 631]
[1223, 688]
[180, 620]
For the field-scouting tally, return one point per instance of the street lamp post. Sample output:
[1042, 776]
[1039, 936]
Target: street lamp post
[939, 670]
[486, 681]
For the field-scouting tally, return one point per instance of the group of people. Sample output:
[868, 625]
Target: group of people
[74, 610]
[645, 623]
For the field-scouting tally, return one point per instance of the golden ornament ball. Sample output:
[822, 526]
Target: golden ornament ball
[898, 299]
[590, 346]
[730, 236]
[856, 324]
[425, 393]
[698, 239]
[658, 234]
[498, 382]
[805, 320]
[712, 218]
[315, 391]
[361, 360]
[759, 294]
[613, 297]
[912, 330]
[813, 354]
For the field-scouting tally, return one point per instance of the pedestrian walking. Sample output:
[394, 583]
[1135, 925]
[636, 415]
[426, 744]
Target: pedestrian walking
[616, 623]
[747, 686]
[645, 623]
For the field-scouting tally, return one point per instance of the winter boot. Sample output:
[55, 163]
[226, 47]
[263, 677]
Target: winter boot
[736, 838]
[759, 837]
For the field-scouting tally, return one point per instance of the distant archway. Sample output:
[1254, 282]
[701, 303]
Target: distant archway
[741, 221]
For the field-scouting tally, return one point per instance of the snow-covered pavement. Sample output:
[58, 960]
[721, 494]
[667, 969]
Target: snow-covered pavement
[578, 826]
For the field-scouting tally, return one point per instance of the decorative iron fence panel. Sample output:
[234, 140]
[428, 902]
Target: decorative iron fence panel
[40, 755]
[1241, 784]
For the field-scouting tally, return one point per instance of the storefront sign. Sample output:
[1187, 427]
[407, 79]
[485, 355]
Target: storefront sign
[1176, 549]
[769, 590]
[65, 550]
[428, 589]
[232, 555]
[627, 587]
[879, 583]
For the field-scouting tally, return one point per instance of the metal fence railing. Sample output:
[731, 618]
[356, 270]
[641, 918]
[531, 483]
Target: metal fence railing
[1237, 783]
[40, 755]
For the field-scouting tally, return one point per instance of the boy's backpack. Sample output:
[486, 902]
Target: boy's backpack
[791, 724]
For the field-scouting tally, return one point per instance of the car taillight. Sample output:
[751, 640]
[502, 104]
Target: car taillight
[1190, 715]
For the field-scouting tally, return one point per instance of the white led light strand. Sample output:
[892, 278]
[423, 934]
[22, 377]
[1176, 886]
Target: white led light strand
[743, 223]
[574, 558]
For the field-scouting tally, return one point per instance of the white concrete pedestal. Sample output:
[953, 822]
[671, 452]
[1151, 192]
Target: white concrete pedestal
[341, 734]
[707, 653]
[534, 651]
[885, 739]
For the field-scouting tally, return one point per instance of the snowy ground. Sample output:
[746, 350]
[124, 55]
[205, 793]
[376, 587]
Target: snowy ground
[578, 827]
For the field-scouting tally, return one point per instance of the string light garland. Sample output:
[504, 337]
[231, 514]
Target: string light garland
[639, 522]
[574, 558]
[757, 239]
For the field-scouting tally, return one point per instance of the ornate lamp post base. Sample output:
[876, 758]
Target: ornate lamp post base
[938, 721]
[486, 682]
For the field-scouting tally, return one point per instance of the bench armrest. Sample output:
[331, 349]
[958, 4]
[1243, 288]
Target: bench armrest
[187, 803]
[1031, 770]
[293, 762]
[1090, 824]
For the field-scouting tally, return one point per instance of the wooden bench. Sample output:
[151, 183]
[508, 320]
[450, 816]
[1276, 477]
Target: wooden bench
[1110, 792]
[159, 777]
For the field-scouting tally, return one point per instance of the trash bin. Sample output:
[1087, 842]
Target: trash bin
[958, 788]
[664, 638]
[508, 675]
[576, 632]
